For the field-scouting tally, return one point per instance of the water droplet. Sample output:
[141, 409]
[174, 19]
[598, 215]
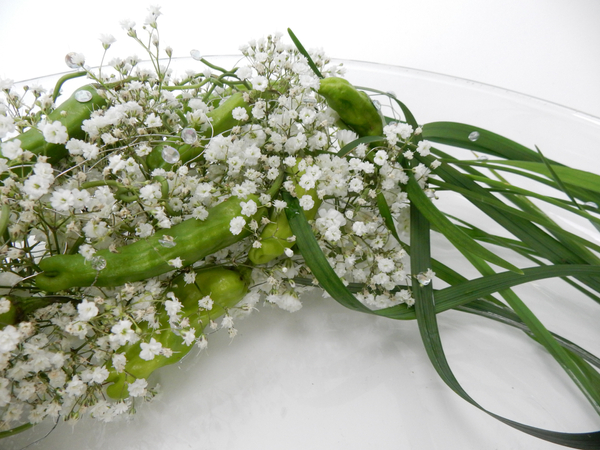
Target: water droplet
[74, 60]
[170, 154]
[423, 281]
[482, 158]
[309, 100]
[98, 263]
[474, 136]
[391, 94]
[83, 96]
[377, 105]
[193, 165]
[167, 241]
[195, 54]
[189, 135]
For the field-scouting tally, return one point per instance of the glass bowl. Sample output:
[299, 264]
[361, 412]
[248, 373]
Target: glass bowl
[329, 378]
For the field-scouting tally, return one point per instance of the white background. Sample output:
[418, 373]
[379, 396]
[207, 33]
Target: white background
[300, 381]
[544, 48]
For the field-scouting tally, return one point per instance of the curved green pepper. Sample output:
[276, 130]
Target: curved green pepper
[71, 113]
[275, 236]
[194, 240]
[225, 286]
[222, 121]
[354, 107]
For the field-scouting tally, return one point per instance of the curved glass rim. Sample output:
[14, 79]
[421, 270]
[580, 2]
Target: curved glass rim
[437, 76]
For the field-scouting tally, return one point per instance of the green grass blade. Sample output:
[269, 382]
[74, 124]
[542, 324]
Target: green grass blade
[315, 259]
[507, 316]
[352, 145]
[530, 234]
[426, 318]
[455, 235]
[574, 241]
[457, 135]
[304, 53]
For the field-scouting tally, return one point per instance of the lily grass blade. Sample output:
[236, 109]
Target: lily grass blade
[503, 187]
[352, 145]
[408, 115]
[575, 242]
[457, 135]
[459, 239]
[530, 234]
[304, 53]
[507, 316]
[568, 176]
[568, 362]
[315, 259]
[426, 318]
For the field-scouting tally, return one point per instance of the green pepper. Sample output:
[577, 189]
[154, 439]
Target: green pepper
[71, 113]
[22, 307]
[222, 121]
[354, 107]
[194, 239]
[226, 287]
[275, 236]
[10, 316]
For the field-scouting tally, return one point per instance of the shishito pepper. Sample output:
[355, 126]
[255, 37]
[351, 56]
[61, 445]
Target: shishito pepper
[275, 236]
[226, 287]
[221, 120]
[354, 107]
[193, 240]
[71, 113]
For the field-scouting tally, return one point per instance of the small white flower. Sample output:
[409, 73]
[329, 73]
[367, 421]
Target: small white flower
[137, 388]
[177, 263]
[205, 303]
[239, 113]
[75, 387]
[152, 121]
[9, 339]
[259, 83]
[55, 133]
[380, 157]
[4, 305]
[87, 310]
[249, 208]
[189, 337]
[12, 149]
[119, 360]
[237, 225]
[107, 40]
[306, 202]
[150, 350]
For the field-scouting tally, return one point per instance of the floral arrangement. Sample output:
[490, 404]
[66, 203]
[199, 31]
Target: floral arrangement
[150, 209]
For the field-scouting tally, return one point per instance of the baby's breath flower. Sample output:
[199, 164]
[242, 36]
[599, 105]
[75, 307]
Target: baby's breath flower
[138, 388]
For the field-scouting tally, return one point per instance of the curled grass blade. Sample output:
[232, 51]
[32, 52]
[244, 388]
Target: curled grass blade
[426, 318]
[459, 239]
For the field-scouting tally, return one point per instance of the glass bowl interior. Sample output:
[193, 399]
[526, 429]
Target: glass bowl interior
[326, 377]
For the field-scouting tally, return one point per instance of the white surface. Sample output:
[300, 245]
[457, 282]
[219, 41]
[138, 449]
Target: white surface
[324, 377]
[544, 48]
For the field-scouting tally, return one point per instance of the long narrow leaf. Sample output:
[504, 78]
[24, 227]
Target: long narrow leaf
[426, 318]
[459, 239]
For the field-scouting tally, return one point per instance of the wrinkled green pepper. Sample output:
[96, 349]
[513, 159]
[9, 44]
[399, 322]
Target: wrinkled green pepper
[221, 121]
[354, 107]
[71, 113]
[275, 236]
[193, 239]
[225, 286]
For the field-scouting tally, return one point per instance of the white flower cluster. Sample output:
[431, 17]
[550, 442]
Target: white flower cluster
[158, 151]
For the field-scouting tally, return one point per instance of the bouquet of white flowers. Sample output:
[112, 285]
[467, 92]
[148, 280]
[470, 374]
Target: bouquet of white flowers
[148, 209]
